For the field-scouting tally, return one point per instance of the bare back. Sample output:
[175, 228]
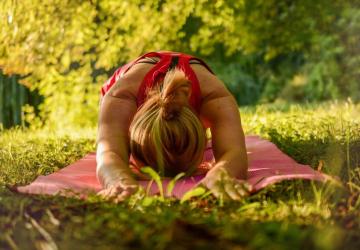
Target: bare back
[218, 111]
[210, 86]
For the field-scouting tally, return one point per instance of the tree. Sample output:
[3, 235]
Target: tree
[67, 48]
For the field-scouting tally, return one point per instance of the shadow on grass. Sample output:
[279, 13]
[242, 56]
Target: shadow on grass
[283, 216]
[335, 157]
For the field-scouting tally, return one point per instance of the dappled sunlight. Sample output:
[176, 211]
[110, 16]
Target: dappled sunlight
[292, 68]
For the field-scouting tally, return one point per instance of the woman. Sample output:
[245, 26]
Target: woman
[155, 111]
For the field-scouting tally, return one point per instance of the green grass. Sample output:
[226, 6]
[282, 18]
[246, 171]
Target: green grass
[289, 215]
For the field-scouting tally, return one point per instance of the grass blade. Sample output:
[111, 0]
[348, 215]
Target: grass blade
[192, 193]
[172, 183]
[156, 177]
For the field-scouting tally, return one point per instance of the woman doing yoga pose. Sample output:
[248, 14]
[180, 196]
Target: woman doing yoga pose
[155, 111]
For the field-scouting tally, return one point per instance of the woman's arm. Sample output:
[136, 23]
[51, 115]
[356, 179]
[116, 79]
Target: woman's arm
[220, 111]
[228, 141]
[117, 109]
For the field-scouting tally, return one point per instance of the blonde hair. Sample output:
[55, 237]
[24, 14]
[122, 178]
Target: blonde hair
[165, 133]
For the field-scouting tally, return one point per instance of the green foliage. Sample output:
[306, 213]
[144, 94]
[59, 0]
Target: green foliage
[269, 27]
[333, 68]
[333, 136]
[17, 103]
[172, 183]
[156, 177]
[195, 192]
[10, 108]
[288, 215]
[263, 50]
[50, 42]
[24, 154]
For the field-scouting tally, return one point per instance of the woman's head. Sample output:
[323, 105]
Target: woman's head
[165, 133]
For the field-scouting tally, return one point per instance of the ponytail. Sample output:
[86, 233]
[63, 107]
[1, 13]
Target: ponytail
[165, 133]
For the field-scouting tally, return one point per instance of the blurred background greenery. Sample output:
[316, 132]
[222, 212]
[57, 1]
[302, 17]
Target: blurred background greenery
[62, 51]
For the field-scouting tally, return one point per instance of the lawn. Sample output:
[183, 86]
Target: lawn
[288, 215]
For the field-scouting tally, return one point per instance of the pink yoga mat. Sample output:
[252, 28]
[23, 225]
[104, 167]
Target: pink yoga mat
[267, 165]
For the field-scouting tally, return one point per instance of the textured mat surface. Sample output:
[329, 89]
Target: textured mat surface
[267, 165]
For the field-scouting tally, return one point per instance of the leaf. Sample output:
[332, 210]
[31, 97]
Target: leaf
[172, 183]
[192, 193]
[147, 201]
[148, 187]
[253, 205]
[156, 177]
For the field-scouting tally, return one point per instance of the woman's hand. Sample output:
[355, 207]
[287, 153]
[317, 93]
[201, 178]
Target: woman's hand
[221, 184]
[120, 190]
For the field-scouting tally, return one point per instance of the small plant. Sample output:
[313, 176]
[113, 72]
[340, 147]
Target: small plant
[194, 192]
[156, 177]
[172, 183]
[287, 215]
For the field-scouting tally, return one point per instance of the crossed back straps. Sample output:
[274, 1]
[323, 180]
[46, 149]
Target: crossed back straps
[156, 74]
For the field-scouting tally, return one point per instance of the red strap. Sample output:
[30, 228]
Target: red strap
[111, 81]
[157, 73]
[122, 70]
[195, 97]
[202, 63]
[150, 54]
[188, 56]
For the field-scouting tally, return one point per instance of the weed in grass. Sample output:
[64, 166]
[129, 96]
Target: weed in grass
[287, 215]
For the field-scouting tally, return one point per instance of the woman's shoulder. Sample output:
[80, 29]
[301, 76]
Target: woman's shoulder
[210, 85]
[129, 82]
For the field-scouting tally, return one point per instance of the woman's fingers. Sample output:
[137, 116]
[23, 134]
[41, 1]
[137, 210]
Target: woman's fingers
[110, 192]
[220, 189]
[246, 185]
[126, 193]
[241, 189]
[217, 190]
[118, 192]
[121, 197]
[227, 187]
[233, 191]
[105, 192]
[114, 190]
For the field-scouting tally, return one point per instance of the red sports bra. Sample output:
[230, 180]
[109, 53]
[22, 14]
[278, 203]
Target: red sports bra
[157, 73]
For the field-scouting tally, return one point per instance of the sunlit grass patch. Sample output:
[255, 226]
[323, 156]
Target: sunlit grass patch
[288, 215]
[325, 135]
[25, 154]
